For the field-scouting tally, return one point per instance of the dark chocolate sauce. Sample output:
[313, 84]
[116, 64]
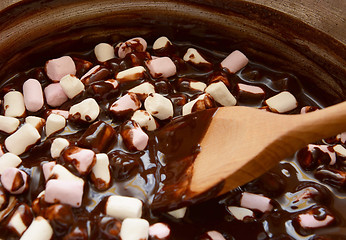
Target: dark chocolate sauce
[149, 173]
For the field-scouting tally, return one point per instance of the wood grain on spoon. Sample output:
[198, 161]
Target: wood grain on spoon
[242, 143]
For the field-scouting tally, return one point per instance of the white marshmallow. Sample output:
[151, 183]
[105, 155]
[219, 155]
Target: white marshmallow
[145, 120]
[187, 108]
[39, 229]
[100, 171]
[14, 104]
[16, 222]
[134, 229]
[128, 102]
[159, 106]
[71, 86]
[215, 235]
[308, 220]
[58, 145]
[178, 213]
[122, 207]
[8, 124]
[54, 124]
[201, 86]
[193, 56]
[134, 44]
[340, 150]
[144, 88]
[22, 139]
[221, 94]
[282, 102]
[12, 203]
[325, 149]
[341, 137]
[36, 122]
[255, 201]
[240, 213]
[63, 113]
[235, 61]
[64, 191]
[130, 74]
[87, 110]
[255, 90]
[9, 160]
[104, 52]
[33, 95]
[161, 42]
[159, 231]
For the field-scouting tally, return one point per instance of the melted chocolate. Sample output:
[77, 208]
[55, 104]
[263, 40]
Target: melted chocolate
[148, 173]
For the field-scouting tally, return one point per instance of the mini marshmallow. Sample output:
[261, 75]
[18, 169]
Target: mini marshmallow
[307, 109]
[58, 145]
[143, 89]
[36, 122]
[340, 150]
[64, 191]
[221, 94]
[201, 86]
[14, 180]
[215, 235]
[134, 137]
[308, 220]
[193, 56]
[341, 137]
[235, 61]
[159, 231]
[122, 207]
[161, 67]
[71, 86]
[255, 201]
[325, 149]
[55, 95]
[240, 213]
[134, 44]
[4, 198]
[60, 67]
[8, 124]
[145, 120]
[161, 42]
[63, 113]
[14, 104]
[100, 173]
[61, 173]
[39, 229]
[131, 74]
[104, 52]
[282, 102]
[21, 219]
[87, 110]
[9, 160]
[134, 229]
[82, 159]
[202, 102]
[89, 73]
[33, 95]
[54, 124]
[178, 213]
[125, 104]
[249, 89]
[22, 139]
[114, 82]
[12, 203]
[47, 169]
[159, 106]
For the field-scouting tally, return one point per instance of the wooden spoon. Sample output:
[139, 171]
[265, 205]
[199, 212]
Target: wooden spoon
[242, 143]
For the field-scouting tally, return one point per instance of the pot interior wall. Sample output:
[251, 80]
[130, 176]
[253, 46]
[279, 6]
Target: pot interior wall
[47, 29]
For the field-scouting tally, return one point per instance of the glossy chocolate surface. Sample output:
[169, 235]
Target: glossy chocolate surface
[142, 174]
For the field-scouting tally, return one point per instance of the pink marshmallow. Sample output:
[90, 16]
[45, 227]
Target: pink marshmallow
[343, 137]
[161, 67]
[308, 220]
[255, 201]
[60, 67]
[55, 95]
[126, 103]
[325, 149]
[235, 61]
[63, 113]
[83, 159]
[134, 137]
[47, 169]
[250, 89]
[134, 44]
[215, 235]
[14, 180]
[64, 191]
[159, 230]
[90, 72]
[33, 95]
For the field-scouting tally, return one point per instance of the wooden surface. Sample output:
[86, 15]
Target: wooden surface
[242, 143]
